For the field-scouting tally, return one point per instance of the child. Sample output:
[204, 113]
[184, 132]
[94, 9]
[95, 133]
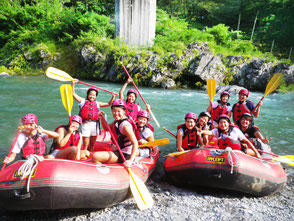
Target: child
[244, 106]
[68, 144]
[31, 140]
[187, 136]
[132, 107]
[123, 128]
[220, 107]
[89, 109]
[144, 132]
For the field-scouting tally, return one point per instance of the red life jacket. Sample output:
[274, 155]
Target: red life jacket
[132, 110]
[239, 109]
[190, 137]
[72, 141]
[140, 130]
[122, 140]
[89, 111]
[219, 110]
[227, 142]
[34, 145]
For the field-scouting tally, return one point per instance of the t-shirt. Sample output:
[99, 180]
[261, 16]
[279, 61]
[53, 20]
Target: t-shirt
[22, 138]
[235, 134]
[147, 132]
[250, 132]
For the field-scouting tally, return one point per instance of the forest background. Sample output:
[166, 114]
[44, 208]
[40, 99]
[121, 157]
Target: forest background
[30, 30]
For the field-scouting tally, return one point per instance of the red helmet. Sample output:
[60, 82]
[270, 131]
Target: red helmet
[119, 103]
[191, 115]
[92, 89]
[244, 91]
[29, 119]
[143, 113]
[132, 91]
[76, 118]
[224, 93]
[224, 116]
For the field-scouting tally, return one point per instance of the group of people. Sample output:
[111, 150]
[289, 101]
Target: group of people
[130, 128]
[239, 135]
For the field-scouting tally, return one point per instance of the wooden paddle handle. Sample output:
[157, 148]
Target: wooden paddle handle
[169, 132]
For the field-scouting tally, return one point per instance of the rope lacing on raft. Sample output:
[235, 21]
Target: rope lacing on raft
[27, 168]
[230, 158]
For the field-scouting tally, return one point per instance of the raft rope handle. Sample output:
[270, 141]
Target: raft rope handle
[27, 168]
[230, 158]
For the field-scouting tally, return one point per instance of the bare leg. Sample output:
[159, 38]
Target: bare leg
[68, 153]
[86, 141]
[92, 143]
[104, 157]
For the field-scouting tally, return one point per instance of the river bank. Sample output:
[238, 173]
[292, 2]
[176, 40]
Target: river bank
[182, 203]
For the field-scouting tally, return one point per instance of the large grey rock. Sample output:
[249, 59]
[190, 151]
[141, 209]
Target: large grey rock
[4, 74]
[169, 83]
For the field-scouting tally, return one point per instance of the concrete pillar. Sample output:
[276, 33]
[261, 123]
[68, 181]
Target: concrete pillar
[135, 21]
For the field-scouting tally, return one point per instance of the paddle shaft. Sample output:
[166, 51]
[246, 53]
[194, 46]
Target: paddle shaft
[96, 87]
[261, 151]
[169, 132]
[257, 105]
[211, 110]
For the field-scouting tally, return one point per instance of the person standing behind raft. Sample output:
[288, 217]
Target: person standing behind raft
[244, 106]
[31, 140]
[132, 107]
[187, 136]
[123, 129]
[220, 107]
[68, 144]
[89, 109]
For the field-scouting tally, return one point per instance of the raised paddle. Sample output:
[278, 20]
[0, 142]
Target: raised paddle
[140, 192]
[157, 123]
[12, 146]
[155, 143]
[211, 89]
[67, 98]
[59, 75]
[272, 85]
[169, 132]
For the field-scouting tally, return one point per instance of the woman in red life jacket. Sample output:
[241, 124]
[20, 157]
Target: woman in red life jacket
[244, 106]
[89, 109]
[132, 108]
[187, 136]
[123, 128]
[68, 144]
[230, 136]
[220, 107]
[203, 123]
[144, 132]
[31, 140]
[249, 130]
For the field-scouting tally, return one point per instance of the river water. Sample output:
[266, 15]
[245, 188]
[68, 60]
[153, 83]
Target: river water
[41, 96]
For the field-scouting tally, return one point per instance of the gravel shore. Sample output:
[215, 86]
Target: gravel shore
[175, 203]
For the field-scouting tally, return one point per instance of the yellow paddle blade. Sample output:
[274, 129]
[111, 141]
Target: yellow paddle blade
[274, 83]
[283, 159]
[177, 153]
[58, 75]
[140, 192]
[66, 97]
[211, 88]
[155, 143]
[289, 156]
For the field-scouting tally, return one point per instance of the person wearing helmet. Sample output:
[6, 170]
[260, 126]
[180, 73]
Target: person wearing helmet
[144, 132]
[31, 140]
[187, 136]
[89, 109]
[203, 123]
[68, 144]
[123, 128]
[230, 136]
[244, 106]
[220, 107]
[132, 107]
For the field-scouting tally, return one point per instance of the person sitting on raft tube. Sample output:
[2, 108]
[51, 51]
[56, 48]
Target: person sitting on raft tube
[68, 144]
[144, 132]
[31, 140]
[203, 123]
[89, 109]
[244, 106]
[132, 107]
[230, 136]
[220, 107]
[123, 128]
[187, 136]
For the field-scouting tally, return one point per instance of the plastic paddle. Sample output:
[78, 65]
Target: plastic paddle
[155, 143]
[12, 146]
[60, 75]
[282, 159]
[272, 85]
[211, 89]
[140, 192]
[177, 153]
[169, 132]
[67, 98]
[157, 123]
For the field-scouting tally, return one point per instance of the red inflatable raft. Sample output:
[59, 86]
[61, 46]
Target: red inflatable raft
[231, 170]
[62, 184]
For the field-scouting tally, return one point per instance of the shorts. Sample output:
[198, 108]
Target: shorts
[120, 160]
[90, 128]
